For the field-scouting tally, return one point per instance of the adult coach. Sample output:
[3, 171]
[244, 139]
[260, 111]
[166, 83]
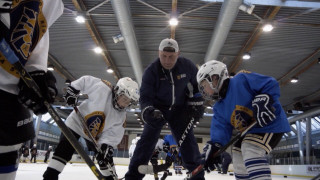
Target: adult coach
[165, 97]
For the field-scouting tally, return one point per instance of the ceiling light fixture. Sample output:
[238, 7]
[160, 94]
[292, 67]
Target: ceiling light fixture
[173, 21]
[294, 80]
[80, 19]
[50, 68]
[117, 38]
[97, 50]
[109, 70]
[267, 27]
[246, 56]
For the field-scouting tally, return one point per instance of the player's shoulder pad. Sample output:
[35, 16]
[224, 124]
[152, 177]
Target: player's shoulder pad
[243, 71]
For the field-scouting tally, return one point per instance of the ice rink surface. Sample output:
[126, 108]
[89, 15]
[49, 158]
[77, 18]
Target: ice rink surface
[34, 171]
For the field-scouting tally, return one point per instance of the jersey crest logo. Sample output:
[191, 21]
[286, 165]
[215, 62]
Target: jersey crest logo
[95, 122]
[23, 33]
[241, 118]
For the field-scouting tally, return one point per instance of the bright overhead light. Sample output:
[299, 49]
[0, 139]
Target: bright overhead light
[109, 70]
[294, 80]
[173, 22]
[97, 50]
[50, 68]
[246, 56]
[80, 19]
[267, 27]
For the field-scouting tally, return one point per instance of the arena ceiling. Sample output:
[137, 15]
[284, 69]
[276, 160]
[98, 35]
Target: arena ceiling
[129, 32]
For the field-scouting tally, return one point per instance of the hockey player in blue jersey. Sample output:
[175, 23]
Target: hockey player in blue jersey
[173, 154]
[165, 98]
[245, 98]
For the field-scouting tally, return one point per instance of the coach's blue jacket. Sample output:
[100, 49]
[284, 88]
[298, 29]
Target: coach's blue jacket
[166, 89]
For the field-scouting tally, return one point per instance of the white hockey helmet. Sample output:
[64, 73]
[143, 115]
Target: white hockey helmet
[50, 147]
[207, 71]
[126, 86]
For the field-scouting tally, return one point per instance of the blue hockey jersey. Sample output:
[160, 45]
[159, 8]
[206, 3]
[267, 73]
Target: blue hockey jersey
[235, 110]
[169, 139]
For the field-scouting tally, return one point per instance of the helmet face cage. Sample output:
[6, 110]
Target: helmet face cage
[128, 88]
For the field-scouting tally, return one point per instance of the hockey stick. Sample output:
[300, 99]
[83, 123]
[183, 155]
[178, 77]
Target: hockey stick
[316, 177]
[149, 169]
[13, 59]
[231, 142]
[82, 120]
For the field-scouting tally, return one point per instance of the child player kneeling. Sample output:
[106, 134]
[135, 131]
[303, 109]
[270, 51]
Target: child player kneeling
[240, 100]
[104, 113]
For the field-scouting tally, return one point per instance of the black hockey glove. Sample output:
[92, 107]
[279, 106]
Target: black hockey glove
[47, 84]
[152, 116]
[104, 158]
[166, 147]
[71, 97]
[195, 108]
[209, 151]
[263, 111]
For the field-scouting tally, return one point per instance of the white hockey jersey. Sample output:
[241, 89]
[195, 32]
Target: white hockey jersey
[51, 11]
[105, 122]
[159, 144]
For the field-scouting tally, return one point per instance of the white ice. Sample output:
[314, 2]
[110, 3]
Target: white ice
[80, 171]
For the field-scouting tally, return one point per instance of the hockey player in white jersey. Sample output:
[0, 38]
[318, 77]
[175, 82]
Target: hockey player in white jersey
[24, 29]
[104, 113]
[133, 146]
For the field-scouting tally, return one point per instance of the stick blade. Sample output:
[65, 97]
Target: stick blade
[145, 169]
